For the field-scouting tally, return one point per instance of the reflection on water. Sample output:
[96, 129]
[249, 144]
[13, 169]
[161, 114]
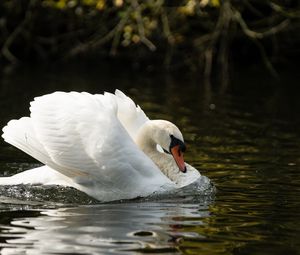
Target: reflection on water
[111, 228]
[247, 143]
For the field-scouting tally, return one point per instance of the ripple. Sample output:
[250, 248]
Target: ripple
[200, 190]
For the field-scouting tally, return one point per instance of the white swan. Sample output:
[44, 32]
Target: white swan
[103, 145]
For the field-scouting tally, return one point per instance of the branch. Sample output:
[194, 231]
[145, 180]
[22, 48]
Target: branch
[289, 14]
[259, 35]
[140, 26]
[166, 27]
[99, 40]
[5, 50]
[255, 36]
[221, 35]
[118, 30]
[265, 59]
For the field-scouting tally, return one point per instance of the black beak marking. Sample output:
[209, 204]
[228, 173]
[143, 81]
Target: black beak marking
[174, 142]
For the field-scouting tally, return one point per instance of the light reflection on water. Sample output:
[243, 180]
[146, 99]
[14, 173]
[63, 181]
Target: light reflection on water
[249, 150]
[109, 228]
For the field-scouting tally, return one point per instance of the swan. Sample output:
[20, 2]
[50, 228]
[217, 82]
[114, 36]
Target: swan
[101, 144]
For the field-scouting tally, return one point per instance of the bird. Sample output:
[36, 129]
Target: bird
[101, 144]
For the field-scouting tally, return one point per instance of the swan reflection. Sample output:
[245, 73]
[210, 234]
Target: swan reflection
[110, 228]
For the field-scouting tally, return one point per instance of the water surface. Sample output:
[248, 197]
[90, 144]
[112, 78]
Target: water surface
[246, 141]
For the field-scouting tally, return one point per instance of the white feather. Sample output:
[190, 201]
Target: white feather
[87, 142]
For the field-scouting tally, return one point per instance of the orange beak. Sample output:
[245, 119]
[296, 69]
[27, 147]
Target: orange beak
[178, 157]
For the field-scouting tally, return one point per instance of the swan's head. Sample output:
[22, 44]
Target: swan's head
[169, 137]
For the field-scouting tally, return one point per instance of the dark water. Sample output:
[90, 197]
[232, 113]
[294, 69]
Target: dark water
[246, 141]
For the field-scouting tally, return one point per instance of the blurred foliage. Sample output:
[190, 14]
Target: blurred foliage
[172, 33]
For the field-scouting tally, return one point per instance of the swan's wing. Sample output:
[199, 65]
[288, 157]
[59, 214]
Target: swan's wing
[20, 133]
[80, 136]
[131, 115]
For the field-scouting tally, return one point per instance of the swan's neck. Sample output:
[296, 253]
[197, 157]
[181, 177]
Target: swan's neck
[146, 141]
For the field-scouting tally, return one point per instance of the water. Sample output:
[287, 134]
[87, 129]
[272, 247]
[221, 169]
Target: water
[246, 141]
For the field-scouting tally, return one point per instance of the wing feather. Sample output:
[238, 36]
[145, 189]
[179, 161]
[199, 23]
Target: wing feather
[131, 115]
[85, 137]
[89, 138]
[71, 130]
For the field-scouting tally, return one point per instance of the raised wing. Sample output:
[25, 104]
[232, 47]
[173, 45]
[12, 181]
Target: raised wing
[80, 136]
[131, 115]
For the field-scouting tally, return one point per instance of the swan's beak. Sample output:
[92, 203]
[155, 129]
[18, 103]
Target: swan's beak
[178, 157]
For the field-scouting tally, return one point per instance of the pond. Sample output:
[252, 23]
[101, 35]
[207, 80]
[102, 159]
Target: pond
[245, 140]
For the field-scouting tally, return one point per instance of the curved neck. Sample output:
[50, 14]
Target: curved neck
[146, 140]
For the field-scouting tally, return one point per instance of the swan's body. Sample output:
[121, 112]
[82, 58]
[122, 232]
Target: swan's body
[103, 145]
